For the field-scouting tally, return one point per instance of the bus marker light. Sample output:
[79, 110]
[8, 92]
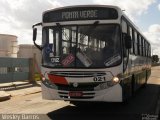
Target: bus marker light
[57, 79]
[115, 79]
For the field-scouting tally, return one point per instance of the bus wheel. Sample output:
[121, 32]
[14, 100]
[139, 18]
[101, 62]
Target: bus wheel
[133, 86]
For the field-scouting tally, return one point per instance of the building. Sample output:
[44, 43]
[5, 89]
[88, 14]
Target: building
[28, 51]
[8, 45]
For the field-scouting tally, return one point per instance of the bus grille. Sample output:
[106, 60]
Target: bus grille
[81, 87]
[77, 74]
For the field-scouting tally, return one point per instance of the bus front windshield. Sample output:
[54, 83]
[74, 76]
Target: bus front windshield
[82, 46]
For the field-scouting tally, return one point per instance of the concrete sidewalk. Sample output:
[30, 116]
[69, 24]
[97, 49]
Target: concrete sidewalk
[20, 88]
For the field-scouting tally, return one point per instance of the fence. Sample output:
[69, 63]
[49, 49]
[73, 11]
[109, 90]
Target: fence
[15, 69]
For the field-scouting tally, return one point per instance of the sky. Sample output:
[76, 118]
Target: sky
[18, 16]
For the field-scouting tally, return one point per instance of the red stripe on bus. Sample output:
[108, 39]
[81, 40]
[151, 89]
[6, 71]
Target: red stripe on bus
[57, 79]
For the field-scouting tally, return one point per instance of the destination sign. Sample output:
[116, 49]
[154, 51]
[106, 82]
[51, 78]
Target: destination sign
[80, 13]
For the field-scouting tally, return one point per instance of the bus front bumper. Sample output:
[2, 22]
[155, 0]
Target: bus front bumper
[112, 94]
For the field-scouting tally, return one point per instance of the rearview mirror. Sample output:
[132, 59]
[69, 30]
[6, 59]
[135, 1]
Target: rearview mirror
[34, 34]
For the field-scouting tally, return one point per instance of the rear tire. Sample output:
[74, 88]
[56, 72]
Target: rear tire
[146, 77]
[133, 86]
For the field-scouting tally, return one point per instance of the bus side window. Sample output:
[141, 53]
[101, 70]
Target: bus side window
[140, 45]
[143, 51]
[146, 49]
[149, 51]
[135, 43]
[130, 34]
[141, 48]
[124, 30]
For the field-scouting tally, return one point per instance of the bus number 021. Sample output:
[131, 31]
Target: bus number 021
[99, 79]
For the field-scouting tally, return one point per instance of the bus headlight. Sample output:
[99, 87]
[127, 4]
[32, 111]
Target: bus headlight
[115, 80]
[43, 78]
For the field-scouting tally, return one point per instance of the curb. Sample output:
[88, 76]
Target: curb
[4, 96]
[9, 90]
[26, 91]
[7, 95]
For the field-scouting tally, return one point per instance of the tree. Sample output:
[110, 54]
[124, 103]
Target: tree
[155, 58]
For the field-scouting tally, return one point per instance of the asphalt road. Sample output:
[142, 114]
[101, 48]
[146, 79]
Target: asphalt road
[140, 107]
[145, 102]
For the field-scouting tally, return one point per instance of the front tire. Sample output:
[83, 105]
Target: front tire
[81, 103]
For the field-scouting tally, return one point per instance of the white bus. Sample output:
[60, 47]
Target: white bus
[91, 53]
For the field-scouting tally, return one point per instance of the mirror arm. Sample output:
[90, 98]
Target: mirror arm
[38, 24]
[34, 38]
[38, 46]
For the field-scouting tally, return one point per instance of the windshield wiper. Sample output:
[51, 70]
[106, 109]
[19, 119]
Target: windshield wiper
[66, 36]
[90, 30]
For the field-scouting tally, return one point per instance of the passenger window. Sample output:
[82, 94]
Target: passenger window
[135, 43]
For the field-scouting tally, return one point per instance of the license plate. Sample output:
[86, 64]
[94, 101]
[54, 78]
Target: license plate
[75, 94]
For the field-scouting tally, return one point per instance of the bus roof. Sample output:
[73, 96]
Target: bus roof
[74, 6]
